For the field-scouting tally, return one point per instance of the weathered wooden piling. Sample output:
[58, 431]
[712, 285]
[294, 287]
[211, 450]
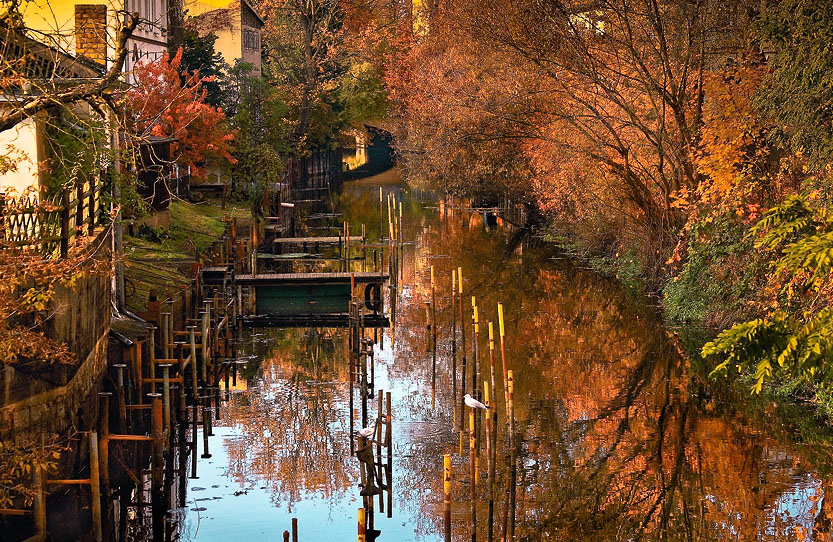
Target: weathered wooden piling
[194, 413]
[39, 501]
[491, 431]
[389, 447]
[475, 369]
[433, 339]
[294, 529]
[454, 346]
[503, 357]
[472, 476]
[513, 474]
[362, 528]
[490, 469]
[377, 436]
[447, 497]
[462, 348]
[95, 487]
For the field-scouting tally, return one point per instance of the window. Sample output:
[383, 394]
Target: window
[251, 40]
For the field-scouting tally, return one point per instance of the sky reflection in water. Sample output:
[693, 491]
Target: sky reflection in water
[618, 441]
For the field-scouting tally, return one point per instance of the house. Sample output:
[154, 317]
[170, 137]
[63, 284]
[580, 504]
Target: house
[44, 69]
[236, 24]
[88, 28]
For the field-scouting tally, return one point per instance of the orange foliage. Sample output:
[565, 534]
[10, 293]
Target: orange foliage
[160, 104]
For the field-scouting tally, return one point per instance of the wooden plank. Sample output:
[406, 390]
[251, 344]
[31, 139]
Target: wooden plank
[309, 278]
[313, 240]
[313, 320]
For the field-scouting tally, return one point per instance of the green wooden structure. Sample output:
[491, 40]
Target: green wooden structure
[287, 299]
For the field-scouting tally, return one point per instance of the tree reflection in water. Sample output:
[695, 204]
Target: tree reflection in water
[618, 441]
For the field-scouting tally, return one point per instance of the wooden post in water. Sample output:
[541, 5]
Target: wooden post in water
[120, 396]
[433, 339]
[463, 348]
[378, 437]
[194, 413]
[473, 477]
[286, 536]
[454, 346]
[95, 487]
[294, 529]
[490, 473]
[503, 357]
[362, 529]
[447, 497]
[352, 370]
[206, 423]
[475, 343]
[166, 395]
[491, 430]
[158, 506]
[389, 447]
[513, 474]
[163, 330]
[39, 501]
[192, 339]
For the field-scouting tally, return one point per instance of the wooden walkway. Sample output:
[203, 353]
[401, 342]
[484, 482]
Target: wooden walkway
[312, 320]
[297, 279]
[315, 240]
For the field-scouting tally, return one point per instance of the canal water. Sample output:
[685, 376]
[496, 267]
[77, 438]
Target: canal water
[617, 440]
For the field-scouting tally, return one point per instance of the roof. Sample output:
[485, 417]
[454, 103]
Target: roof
[40, 61]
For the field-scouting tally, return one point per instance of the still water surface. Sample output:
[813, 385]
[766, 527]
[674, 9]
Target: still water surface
[618, 442]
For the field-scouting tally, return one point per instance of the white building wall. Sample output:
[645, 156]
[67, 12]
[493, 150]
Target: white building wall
[21, 145]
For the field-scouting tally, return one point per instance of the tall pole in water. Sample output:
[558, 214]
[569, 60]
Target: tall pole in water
[462, 345]
[454, 344]
[433, 339]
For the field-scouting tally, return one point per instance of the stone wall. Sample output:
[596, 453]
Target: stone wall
[37, 397]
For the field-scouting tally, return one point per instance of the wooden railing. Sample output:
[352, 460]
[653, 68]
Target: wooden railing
[49, 224]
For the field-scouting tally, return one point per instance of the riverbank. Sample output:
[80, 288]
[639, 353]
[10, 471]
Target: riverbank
[700, 301]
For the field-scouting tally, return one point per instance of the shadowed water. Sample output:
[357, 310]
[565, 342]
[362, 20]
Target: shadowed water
[617, 440]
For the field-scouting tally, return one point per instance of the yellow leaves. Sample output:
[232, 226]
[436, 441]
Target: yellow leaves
[36, 300]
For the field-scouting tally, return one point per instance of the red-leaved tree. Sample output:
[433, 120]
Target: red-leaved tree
[161, 104]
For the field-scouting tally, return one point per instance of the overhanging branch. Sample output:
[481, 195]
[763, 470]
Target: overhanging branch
[30, 106]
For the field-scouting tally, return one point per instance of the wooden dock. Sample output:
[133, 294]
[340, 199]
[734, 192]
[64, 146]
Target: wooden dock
[311, 279]
[316, 240]
[312, 320]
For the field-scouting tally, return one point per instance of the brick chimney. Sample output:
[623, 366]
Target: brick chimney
[91, 32]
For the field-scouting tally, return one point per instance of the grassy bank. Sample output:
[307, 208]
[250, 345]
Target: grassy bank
[161, 258]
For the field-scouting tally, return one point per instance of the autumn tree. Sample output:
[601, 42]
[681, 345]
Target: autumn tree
[160, 104]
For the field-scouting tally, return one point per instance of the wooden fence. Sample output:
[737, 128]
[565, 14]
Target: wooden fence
[49, 224]
[313, 176]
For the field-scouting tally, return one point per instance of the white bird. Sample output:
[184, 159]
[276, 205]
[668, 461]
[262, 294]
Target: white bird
[473, 403]
[367, 432]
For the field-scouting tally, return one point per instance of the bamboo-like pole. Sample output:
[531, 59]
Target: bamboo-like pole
[490, 471]
[463, 347]
[491, 435]
[475, 340]
[447, 497]
[433, 339]
[472, 476]
[503, 356]
[454, 345]
[362, 530]
[512, 452]
[294, 529]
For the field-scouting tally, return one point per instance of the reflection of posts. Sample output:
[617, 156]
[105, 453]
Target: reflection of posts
[447, 496]
[365, 457]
